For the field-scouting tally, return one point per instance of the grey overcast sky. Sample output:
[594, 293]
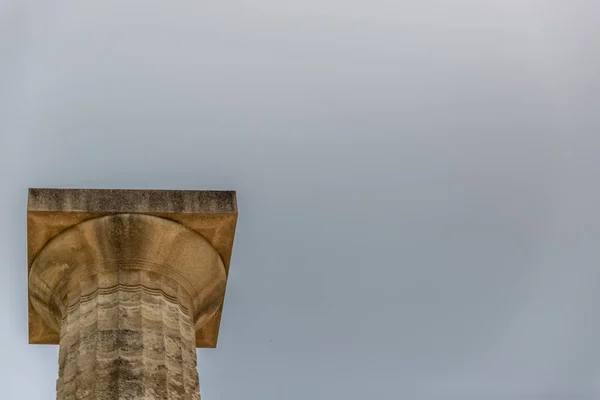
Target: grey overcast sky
[417, 182]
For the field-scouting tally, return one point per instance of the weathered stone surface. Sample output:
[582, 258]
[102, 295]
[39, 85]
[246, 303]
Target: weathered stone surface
[127, 293]
[127, 342]
[133, 201]
[211, 214]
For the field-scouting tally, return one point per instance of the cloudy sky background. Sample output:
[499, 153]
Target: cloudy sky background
[417, 182]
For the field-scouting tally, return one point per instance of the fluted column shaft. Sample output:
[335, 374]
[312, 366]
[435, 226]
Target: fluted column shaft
[127, 342]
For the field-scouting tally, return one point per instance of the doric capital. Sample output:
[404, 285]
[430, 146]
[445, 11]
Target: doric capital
[180, 236]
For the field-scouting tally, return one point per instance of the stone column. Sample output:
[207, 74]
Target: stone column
[127, 293]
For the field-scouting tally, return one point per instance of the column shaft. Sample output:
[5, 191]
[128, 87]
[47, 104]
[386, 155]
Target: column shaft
[127, 342]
